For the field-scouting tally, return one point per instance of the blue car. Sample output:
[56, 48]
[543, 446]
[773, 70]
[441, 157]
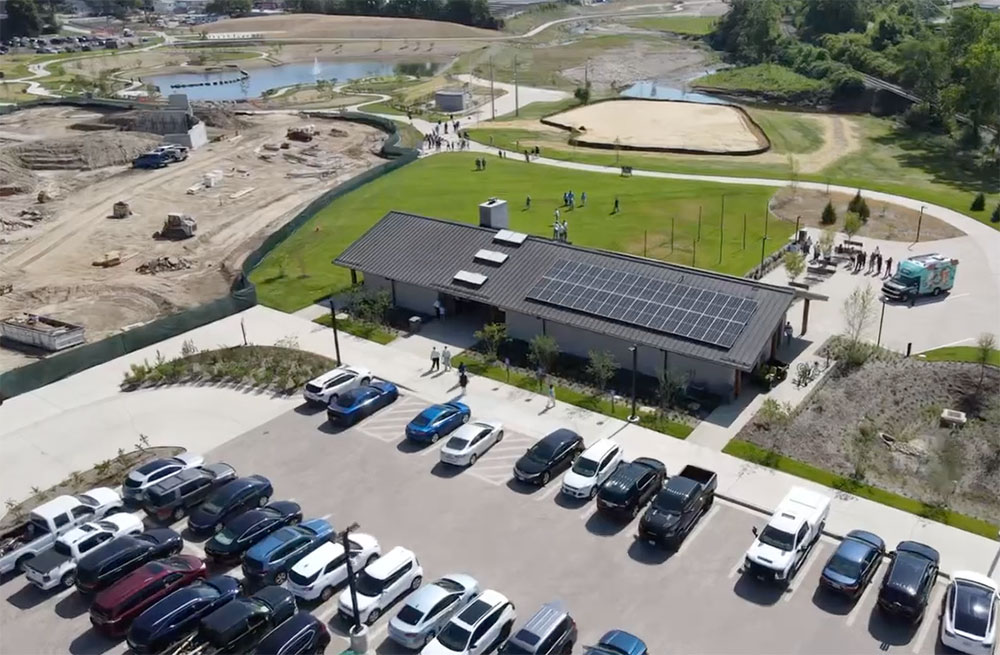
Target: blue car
[436, 421]
[269, 561]
[618, 642]
[350, 407]
[853, 565]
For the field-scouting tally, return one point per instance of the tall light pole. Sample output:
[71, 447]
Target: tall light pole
[333, 322]
[357, 628]
[633, 417]
[920, 220]
[880, 321]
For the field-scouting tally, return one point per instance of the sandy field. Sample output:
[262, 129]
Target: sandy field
[49, 261]
[301, 26]
[662, 125]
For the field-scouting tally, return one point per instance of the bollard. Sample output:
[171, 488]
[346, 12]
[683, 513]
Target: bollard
[359, 639]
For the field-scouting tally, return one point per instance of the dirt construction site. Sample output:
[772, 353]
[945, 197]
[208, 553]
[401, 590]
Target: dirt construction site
[64, 254]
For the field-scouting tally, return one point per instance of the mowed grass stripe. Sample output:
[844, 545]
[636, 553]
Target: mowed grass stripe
[299, 272]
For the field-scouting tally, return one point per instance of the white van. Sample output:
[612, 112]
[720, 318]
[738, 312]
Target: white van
[320, 572]
[380, 584]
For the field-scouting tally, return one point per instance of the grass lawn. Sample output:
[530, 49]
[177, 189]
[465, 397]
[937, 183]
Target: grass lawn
[447, 186]
[15, 93]
[369, 331]
[409, 136]
[789, 132]
[959, 354]
[762, 77]
[383, 108]
[753, 453]
[696, 25]
[589, 402]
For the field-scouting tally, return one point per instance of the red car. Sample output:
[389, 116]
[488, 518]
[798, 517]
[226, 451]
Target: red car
[115, 607]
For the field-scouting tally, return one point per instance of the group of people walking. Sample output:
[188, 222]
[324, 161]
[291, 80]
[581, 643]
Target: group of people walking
[872, 263]
[444, 357]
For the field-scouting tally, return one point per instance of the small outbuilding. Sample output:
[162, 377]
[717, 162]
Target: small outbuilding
[450, 100]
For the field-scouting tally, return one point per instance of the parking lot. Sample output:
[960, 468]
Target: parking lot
[531, 544]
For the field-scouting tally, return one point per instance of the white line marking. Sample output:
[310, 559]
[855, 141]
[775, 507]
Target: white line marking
[929, 619]
[506, 449]
[196, 549]
[328, 612]
[736, 569]
[856, 610]
[432, 448]
[585, 516]
[378, 632]
[800, 575]
[493, 466]
[545, 495]
[325, 517]
[702, 522]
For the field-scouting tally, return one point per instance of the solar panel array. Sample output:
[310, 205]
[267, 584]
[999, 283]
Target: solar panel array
[679, 309]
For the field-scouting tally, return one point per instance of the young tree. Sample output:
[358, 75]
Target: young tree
[852, 224]
[986, 345]
[601, 366]
[978, 203]
[855, 204]
[670, 388]
[863, 212]
[829, 216]
[858, 312]
[582, 93]
[826, 241]
[995, 216]
[492, 336]
[543, 351]
[795, 264]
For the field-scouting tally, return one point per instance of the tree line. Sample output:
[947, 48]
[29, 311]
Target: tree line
[952, 63]
[475, 13]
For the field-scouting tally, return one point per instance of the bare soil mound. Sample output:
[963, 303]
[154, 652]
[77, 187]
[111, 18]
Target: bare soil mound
[841, 430]
[663, 125]
[13, 177]
[83, 152]
[352, 27]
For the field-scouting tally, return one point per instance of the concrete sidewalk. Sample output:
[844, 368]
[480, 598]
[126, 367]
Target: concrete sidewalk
[36, 426]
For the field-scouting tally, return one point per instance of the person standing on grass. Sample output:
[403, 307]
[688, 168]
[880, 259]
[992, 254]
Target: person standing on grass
[583, 199]
[551, 402]
[527, 202]
[617, 206]
[446, 358]
[435, 358]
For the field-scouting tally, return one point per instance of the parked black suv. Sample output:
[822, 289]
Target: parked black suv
[173, 497]
[550, 456]
[229, 500]
[907, 584]
[237, 626]
[175, 617]
[243, 531]
[107, 564]
[630, 487]
[302, 634]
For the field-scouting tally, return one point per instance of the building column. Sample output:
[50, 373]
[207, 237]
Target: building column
[392, 287]
[805, 315]
[543, 326]
[354, 277]
[775, 338]
[737, 378]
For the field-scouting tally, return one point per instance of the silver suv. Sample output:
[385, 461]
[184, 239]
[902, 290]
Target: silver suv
[551, 631]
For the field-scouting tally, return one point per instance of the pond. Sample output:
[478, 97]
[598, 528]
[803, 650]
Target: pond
[228, 85]
[655, 91]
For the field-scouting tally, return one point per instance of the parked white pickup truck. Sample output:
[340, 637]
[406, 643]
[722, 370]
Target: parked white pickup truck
[49, 520]
[783, 545]
[57, 565]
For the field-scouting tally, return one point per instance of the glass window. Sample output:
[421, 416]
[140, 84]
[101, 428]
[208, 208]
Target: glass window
[336, 564]
[410, 615]
[61, 520]
[803, 531]
[454, 637]
[777, 538]
[82, 511]
[162, 473]
[442, 605]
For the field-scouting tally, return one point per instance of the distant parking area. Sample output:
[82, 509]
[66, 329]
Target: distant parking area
[531, 544]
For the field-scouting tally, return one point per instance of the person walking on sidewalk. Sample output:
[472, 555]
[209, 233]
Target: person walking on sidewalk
[463, 381]
[888, 268]
[446, 358]
[435, 358]
[551, 402]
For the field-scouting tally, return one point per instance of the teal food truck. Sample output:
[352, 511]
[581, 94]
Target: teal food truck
[924, 275]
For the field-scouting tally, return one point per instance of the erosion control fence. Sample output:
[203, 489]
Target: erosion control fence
[243, 294]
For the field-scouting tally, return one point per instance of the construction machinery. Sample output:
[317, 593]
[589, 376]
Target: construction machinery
[177, 227]
[121, 209]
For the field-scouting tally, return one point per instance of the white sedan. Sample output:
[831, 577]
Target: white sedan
[331, 384]
[470, 441]
[969, 615]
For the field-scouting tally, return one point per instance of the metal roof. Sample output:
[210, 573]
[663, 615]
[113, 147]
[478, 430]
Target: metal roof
[426, 252]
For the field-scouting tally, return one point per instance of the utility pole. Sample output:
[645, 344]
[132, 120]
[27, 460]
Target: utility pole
[722, 226]
[699, 223]
[744, 231]
[672, 234]
[333, 322]
[493, 96]
[517, 104]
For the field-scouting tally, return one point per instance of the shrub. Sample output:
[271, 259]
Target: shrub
[978, 203]
[855, 204]
[995, 216]
[829, 216]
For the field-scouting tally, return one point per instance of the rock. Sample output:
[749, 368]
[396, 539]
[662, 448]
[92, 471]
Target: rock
[163, 265]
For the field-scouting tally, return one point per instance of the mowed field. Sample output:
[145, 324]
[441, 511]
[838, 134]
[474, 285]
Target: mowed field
[322, 26]
[299, 271]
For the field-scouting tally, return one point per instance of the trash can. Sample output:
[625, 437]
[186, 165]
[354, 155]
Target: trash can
[415, 324]
[359, 639]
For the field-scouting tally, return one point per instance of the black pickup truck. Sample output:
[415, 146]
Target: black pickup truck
[676, 509]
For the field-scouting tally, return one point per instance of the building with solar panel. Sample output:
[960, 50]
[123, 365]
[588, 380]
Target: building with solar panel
[710, 327]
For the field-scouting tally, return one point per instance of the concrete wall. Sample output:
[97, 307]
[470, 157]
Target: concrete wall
[414, 298]
[194, 138]
[579, 342]
[450, 102]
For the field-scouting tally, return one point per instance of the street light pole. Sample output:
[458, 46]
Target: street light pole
[333, 322]
[635, 357]
[880, 321]
[350, 576]
[920, 220]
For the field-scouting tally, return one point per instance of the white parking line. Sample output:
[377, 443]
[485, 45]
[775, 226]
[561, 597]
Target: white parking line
[329, 612]
[434, 448]
[196, 549]
[856, 610]
[702, 522]
[803, 572]
[928, 620]
[591, 510]
[736, 569]
[490, 465]
[376, 633]
[553, 488]
[507, 449]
